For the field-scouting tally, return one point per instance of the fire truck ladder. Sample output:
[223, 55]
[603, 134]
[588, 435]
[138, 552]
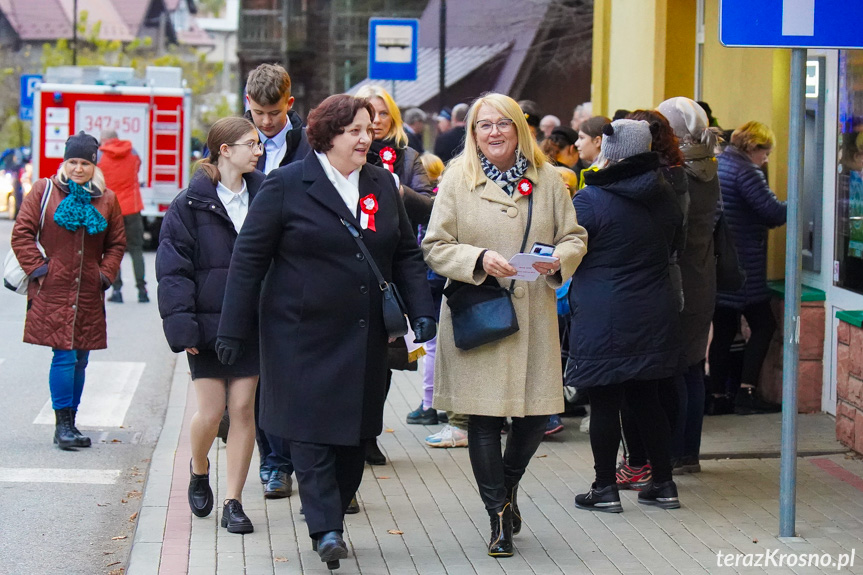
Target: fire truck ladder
[167, 161]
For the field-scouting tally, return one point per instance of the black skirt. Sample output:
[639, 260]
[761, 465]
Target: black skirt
[207, 365]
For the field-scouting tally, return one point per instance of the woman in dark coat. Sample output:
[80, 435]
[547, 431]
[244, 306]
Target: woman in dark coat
[698, 271]
[195, 246]
[83, 239]
[323, 340]
[390, 150]
[751, 209]
[625, 331]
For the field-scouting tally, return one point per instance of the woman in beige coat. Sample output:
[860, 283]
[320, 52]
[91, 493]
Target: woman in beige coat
[477, 225]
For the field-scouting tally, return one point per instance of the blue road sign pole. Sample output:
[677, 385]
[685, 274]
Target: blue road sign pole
[793, 266]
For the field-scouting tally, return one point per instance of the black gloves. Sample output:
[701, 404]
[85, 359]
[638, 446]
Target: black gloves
[424, 328]
[228, 349]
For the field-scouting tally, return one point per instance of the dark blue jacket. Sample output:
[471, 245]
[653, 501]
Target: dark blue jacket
[625, 321]
[750, 210]
[192, 261]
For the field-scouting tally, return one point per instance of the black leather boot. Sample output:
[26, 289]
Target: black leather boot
[63, 436]
[512, 497]
[81, 440]
[331, 547]
[500, 544]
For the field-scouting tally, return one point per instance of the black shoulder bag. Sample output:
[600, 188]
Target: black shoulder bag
[393, 306]
[730, 276]
[484, 313]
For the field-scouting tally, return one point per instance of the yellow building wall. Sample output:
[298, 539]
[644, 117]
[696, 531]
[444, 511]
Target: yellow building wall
[644, 52]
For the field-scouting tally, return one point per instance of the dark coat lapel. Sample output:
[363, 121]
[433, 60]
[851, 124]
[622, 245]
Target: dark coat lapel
[322, 190]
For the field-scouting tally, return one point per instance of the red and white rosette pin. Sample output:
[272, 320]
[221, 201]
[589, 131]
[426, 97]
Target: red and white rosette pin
[369, 206]
[525, 187]
[388, 157]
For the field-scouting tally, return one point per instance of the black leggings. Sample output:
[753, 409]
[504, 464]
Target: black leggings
[495, 473]
[633, 446]
[726, 324]
[605, 404]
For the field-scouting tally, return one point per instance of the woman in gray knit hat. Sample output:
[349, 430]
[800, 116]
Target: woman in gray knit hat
[625, 339]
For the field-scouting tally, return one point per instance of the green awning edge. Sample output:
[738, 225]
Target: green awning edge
[853, 317]
[807, 293]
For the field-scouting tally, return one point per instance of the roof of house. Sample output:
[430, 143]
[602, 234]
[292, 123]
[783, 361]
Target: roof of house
[460, 62]
[133, 14]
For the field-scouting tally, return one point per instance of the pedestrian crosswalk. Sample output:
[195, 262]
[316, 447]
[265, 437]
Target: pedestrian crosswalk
[108, 392]
[41, 475]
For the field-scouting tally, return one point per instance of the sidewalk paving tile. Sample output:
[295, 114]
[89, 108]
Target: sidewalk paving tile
[430, 496]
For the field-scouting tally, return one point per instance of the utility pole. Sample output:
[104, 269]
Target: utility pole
[442, 56]
[75, 32]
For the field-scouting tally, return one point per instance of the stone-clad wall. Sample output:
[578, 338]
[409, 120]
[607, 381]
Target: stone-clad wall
[849, 386]
[810, 373]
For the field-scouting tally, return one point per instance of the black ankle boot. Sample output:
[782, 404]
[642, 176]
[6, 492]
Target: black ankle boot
[63, 435]
[500, 544]
[512, 497]
[81, 440]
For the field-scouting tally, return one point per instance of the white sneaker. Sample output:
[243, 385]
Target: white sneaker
[449, 436]
[585, 424]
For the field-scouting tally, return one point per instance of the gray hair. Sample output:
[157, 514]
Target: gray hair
[414, 115]
[459, 112]
[107, 135]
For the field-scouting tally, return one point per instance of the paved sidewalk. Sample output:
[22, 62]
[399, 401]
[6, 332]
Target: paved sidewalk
[422, 513]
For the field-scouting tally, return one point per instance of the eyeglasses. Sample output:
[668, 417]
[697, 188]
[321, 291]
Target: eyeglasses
[503, 126]
[253, 146]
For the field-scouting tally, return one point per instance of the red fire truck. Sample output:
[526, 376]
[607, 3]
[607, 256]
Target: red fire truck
[153, 112]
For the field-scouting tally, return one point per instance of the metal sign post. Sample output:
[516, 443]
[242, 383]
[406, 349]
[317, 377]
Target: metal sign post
[793, 266]
[796, 24]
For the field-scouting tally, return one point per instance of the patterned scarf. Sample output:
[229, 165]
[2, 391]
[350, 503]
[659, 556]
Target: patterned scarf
[77, 210]
[506, 180]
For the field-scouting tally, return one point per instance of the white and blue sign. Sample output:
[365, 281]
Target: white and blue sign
[393, 48]
[791, 23]
[28, 91]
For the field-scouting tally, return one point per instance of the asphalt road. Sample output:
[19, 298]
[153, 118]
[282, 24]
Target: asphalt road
[71, 513]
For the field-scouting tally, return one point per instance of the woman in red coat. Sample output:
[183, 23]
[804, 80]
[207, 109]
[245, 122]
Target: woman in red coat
[83, 239]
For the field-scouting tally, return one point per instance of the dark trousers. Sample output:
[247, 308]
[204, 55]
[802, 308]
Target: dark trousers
[606, 402]
[686, 433]
[726, 324]
[633, 444]
[495, 472]
[328, 476]
[134, 224]
[275, 451]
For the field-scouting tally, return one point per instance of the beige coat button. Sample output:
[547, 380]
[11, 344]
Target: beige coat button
[512, 212]
[518, 292]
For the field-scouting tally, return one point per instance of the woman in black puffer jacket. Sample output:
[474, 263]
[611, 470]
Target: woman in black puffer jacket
[751, 209]
[625, 337]
[192, 261]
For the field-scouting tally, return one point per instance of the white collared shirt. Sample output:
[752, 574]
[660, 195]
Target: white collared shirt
[275, 147]
[348, 188]
[236, 204]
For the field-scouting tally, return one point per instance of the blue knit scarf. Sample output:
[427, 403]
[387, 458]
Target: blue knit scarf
[77, 210]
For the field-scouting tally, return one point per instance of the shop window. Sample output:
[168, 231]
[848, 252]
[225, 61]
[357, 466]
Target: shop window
[848, 266]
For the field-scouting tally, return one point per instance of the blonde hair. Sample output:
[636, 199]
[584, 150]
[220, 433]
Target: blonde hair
[570, 179]
[433, 166]
[97, 181]
[753, 135]
[508, 108]
[397, 130]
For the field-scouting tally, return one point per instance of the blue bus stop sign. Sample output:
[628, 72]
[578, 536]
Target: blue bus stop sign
[791, 23]
[393, 48]
[28, 90]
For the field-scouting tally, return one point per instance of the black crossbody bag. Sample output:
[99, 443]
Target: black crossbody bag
[484, 313]
[394, 310]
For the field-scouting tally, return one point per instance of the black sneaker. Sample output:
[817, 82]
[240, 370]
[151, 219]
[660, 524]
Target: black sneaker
[142, 296]
[662, 495]
[717, 405]
[421, 416]
[116, 297]
[606, 499]
[687, 464]
[442, 417]
[747, 403]
[235, 519]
